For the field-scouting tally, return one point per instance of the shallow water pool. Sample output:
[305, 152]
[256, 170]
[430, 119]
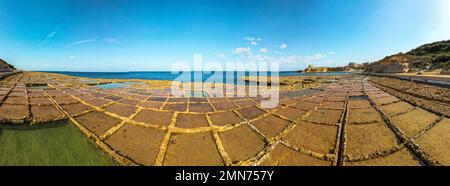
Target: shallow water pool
[115, 85]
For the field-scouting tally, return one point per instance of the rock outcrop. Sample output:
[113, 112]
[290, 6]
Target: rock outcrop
[313, 69]
[446, 70]
[395, 68]
[5, 67]
[398, 63]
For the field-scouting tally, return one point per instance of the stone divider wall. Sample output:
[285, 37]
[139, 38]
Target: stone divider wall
[7, 74]
[443, 81]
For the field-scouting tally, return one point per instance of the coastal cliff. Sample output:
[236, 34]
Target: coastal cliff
[398, 63]
[5, 67]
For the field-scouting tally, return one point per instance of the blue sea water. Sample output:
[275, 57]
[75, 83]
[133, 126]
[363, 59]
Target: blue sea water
[167, 75]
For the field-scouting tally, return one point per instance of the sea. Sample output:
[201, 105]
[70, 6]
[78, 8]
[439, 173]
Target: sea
[167, 75]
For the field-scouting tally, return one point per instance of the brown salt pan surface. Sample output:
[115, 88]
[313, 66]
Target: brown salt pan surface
[122, 110]
[363, 116]
[291, 113]
[365, 139]
[330, 117]
[139, 144]
[250, 112]
[402, 158]
[313, 137]
[191, 120]
[242, 143]
[154, 117]
[284, 156]
[436, 142]
[224, 118]
[270, 125]
[412, 122]
[97, 122]
[192, 149]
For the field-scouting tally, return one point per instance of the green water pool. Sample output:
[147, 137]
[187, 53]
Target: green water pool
[60, 145]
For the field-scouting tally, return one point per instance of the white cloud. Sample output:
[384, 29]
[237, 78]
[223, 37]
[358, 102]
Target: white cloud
[278, 52]
[264, 50]
[316, 57]
[249, 38]
[241, 50]
[253, 40]
[292, 59]
[219, 55]
[299, 59]
[283, 46]
[259, 58]
[331, 53]
[111, 40]
[81, 42]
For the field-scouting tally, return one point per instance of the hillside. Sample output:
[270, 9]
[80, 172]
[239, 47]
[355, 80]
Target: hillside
[4, 66]
[433, 56]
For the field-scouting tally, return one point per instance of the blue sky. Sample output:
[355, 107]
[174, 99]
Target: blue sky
[120, 35]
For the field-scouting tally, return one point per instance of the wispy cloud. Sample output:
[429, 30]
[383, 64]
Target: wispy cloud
[53, 33]
[111, 40]
[283, 46]
[374, 16]
[48, 37]
[81, 42]
[40, 64]
[263, 50]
